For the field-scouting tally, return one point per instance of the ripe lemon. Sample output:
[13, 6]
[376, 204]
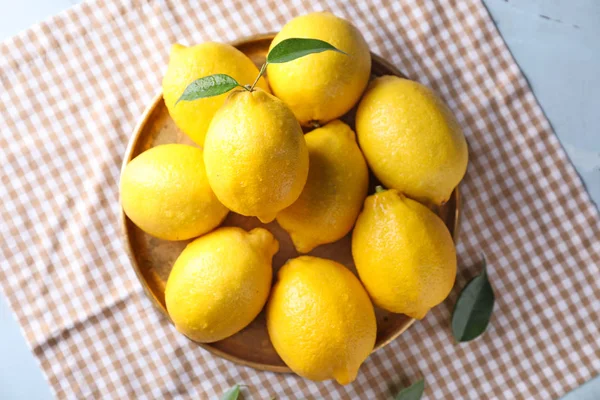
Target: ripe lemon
[411, 140]
[165, 192]
[322, 87]
[255, 155]
[320, 319]
[186, 64]
[220, 282]
[334, 192]
[403, 253]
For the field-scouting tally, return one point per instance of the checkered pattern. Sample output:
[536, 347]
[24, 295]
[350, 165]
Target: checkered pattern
[71, 90]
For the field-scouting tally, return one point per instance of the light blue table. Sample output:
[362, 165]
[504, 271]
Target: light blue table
[554, 41]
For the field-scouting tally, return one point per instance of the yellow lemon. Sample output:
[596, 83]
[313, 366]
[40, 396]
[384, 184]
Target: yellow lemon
[220, 282]
[186, 64]
[165, 192]
[336, 187]
[255, 154]
[324, 86]
[403, 253]
[411, 140]
[320, 319]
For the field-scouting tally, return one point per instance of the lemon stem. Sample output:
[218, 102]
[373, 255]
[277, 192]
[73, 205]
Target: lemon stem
[260, 73]
[379, 189]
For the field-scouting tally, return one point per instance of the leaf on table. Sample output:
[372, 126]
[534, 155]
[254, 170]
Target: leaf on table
[293, 48]
[232, 394]
[473, 308]
[413, 392]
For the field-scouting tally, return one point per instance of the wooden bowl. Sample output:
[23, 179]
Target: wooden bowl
[153, 258]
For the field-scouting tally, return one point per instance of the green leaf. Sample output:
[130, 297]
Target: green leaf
[413, 392]
[473, 308]
[232, 394]
[209, 86]
[291, 49]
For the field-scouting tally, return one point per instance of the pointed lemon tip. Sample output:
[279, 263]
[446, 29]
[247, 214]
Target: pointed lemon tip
[380, 189]
[266, 218]
[418, 314]
[443, 201]
[264, 239]
[301, 245]
[343, 376]
[343, 129]
[176, 48]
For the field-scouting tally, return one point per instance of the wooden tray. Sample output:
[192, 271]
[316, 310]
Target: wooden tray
[153, 258]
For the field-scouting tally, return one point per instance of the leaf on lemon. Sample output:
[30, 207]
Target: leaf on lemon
[473, 308]
[413, 392]
[293, 48]
[209, 86]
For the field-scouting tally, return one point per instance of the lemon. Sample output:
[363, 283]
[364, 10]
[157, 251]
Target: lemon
[320, 319]
[403, 253]
[186, 64]
[411, 140]
[255, 154]
[166, 193]
[334, 192]
[220, 282]
[324, 86]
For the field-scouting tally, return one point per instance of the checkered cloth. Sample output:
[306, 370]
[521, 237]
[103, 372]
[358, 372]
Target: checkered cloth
[71, 91]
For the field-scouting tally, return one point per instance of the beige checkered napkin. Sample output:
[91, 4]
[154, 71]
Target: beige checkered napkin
[71, 91]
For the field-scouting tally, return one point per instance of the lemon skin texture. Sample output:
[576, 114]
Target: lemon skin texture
[255, 154]
[320, 319]
[411, 140]
[323, 86]
[220, 282]
[335, 190]
[187, 64]
[404, 254]
[165, 192]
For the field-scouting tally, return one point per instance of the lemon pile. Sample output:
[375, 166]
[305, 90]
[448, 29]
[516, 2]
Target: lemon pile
[253, 158]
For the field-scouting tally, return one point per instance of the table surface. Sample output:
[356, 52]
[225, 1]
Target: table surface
[555, 43]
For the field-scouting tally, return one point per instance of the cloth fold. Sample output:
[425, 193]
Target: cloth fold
[71, 91]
